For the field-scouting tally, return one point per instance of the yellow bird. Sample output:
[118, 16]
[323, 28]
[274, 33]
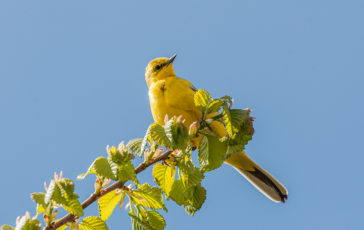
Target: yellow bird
[174, 96]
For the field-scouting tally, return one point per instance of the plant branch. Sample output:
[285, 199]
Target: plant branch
[94, 197]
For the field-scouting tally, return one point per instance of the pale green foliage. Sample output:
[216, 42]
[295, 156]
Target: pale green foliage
[62, 193]
[158, 134]
[138, 224]
[39, 199]
[148, 196]
[185, 189]
[191, 198]
[177, 192]
[152, 221]
[101, 167]
[190, 174]
[135, 146]
[126, 172]
[116, 167]
[211, 153]
[7, 227]
[202, 100]
[107, 203]
[194, 198]
[105, 168]
[177, 134]
[92, 223]
[164, 176]
[230, 128]
[155, 220]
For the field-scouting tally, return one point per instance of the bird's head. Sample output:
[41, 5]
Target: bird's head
[159, 68]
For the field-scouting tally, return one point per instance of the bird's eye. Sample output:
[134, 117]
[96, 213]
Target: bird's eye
[157, 67]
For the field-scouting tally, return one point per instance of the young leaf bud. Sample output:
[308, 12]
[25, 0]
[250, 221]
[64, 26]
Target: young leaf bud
[177, 153]
[146, 154]
[106, 182]
[166, 118]
[180, 119]
[157, 153]
[97, 186]
[193, 129]
[55, 176]
[232, 102]
[54, 214]
[46, 219]
[121, 146]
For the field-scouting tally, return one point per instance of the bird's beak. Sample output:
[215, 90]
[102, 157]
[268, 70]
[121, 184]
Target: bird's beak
[171, 59]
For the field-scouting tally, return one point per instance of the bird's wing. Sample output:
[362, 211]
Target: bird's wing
[180, 100]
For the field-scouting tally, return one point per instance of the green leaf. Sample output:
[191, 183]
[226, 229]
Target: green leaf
[7, 227]
[227, 99]
[105, 168]
[144, 143]
[177, 134]
[177, 192]
[158, 134]
[190, 209]
[229, 125]
[234, 118]
[138, 224]
[135, 146]
[40, 209]
[126, 172]
[39, 198]
[74, 207]
[215, 106]
[195, 197]
[164, 176]
[107, 203]
[90, 170]
[57, 194]
[62, 192]
[102, 167]
[211, 153]
[202, 99]
[191, 175]
[92, 223]
[116, 156]
[238, 116]
[155, 220]
[148, 196]
[242, 138]
[233, 148]
[69, 198]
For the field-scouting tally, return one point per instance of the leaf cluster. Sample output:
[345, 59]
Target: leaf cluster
[220, 132]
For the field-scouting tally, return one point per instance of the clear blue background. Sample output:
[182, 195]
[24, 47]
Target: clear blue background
[72, 81]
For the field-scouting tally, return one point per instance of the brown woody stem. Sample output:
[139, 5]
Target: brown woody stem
[94, 197]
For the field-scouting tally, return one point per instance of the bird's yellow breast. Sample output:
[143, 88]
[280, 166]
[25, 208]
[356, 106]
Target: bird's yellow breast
[173, 96]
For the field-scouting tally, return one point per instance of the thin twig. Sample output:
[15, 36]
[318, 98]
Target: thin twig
[94, 197]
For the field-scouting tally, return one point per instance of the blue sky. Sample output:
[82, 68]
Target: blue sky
[72, 81]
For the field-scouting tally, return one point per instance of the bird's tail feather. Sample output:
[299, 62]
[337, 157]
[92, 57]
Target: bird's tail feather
[258, 177]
